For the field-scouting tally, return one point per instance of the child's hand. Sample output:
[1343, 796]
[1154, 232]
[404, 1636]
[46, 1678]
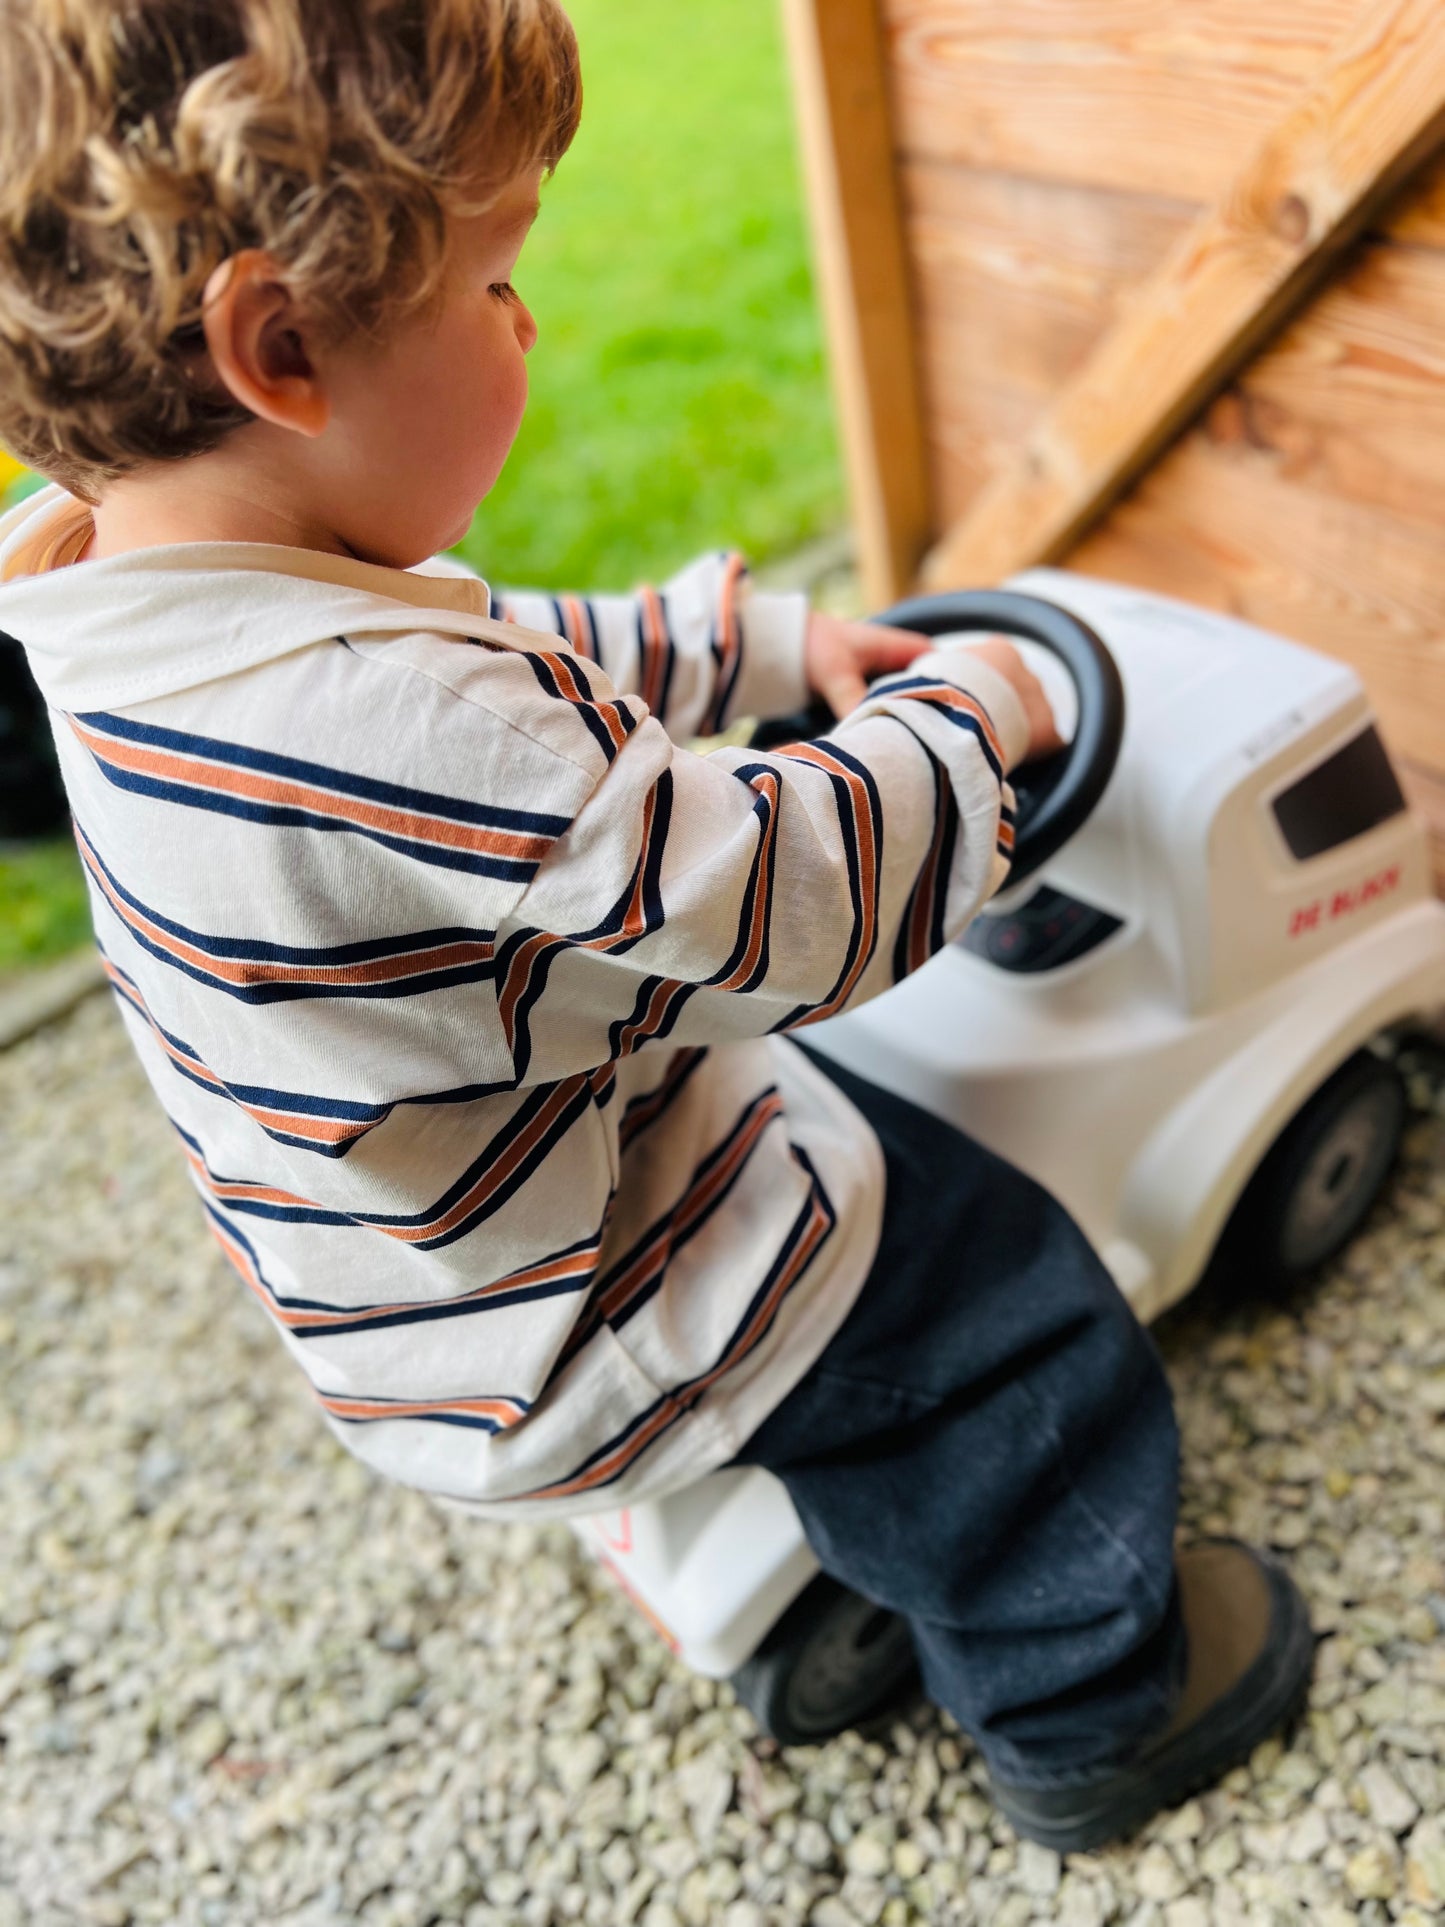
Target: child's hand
[840, 656]
[1000, 654]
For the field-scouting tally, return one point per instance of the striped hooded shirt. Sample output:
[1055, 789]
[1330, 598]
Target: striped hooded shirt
[462, 981]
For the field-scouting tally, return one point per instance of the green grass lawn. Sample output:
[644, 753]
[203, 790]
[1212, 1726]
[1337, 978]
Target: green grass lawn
[679, 399]
[43, 910]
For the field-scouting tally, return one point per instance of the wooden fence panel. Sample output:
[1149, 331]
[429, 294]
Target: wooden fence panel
[1152, 94]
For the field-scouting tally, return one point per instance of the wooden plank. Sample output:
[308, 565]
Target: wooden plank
[1351, 401]
[1016, 281]
[1369, 119]
[1418, 218]
[836, 47]
[1114, 93]
[1026, 276]
[1222, 523]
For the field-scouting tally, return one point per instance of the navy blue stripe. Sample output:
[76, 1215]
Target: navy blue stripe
[680, 996]
[692, 1390]
[312, 1214]
[309, 1106]
[392, 1317]
[648, 871]
[663, 1228]
[239, 950]
[669, 666]
[853, 857]
[220, 1215]
[275, 816]
[499, 1301]
[585, 710]
[764, 809]
[346, 782]
[469, 1421]
[944, 872]
[489, 1207]
[643, 1112]
[676, 1241]
[816, 1194]
[906, 686]
[932, 875]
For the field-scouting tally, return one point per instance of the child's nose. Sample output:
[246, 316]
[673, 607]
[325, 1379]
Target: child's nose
[526, 328]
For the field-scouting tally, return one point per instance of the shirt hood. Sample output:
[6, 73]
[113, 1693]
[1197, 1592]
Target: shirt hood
[103, 634]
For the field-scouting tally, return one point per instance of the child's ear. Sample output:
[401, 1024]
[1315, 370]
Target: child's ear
[258, 345]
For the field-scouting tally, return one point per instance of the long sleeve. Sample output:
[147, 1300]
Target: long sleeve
[703, 899]
[412, 915]
[705, 649]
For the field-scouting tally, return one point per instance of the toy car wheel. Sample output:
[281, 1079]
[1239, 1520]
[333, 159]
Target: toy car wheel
[1317, 1184]
[834, 1660]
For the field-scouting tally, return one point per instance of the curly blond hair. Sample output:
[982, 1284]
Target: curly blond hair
[143, 142]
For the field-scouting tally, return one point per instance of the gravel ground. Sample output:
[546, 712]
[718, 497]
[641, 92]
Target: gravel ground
[243, 1682]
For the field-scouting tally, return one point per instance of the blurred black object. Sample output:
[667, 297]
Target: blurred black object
[32, 799]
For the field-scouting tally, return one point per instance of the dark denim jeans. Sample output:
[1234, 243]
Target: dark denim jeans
[988, 1446]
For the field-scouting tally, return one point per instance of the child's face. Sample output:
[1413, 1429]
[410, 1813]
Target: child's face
[419, 430]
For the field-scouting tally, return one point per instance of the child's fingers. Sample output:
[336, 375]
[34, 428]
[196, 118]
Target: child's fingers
[888, 648]
[842, 687]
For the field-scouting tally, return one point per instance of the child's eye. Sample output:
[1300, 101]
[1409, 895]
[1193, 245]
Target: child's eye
[503, 290]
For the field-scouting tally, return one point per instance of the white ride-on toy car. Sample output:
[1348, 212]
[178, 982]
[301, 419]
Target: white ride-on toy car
[1220, 903]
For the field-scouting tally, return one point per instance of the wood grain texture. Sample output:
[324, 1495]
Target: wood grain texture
[1351, 401]
[1221, 523]
[1417, 219]
[837, 54]
[1016, 282]
[1369, 118]
[1130, 94]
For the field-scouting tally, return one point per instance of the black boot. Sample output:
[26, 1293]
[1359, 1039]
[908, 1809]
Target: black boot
[1251, 1653]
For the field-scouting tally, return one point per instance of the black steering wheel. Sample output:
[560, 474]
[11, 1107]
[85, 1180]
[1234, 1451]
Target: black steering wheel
[1056, 793]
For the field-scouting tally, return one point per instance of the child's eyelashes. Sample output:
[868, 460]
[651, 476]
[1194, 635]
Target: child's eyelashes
[503, 290]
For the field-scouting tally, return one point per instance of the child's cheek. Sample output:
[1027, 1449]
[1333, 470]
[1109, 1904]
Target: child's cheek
[503, 409]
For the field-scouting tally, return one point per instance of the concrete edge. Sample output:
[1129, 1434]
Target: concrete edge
[40, 996]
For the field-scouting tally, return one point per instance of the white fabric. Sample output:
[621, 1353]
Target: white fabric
[456, 972]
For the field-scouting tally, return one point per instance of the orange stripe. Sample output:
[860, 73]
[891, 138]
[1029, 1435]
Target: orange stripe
[574, 692]
[922, 920]
[241, 972]
[295, 1123]
[637, 1034]
[816, 755]
[761, 895]
[580, 1265]
[578, 627]
[954, 698]
[488, 1182]
[692, 1204]
[492, 1180]
[510, 845]
[505, 1410]
[634, 922]
[674, 1407]
[519, 975]
[656, 644]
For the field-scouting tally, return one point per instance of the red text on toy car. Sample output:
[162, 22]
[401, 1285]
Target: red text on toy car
[1344, 903]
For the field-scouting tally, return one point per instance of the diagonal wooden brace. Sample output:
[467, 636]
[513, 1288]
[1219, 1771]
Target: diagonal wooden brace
[1375, 112]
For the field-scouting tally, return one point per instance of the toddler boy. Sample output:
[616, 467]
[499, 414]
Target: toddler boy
[462, 980]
